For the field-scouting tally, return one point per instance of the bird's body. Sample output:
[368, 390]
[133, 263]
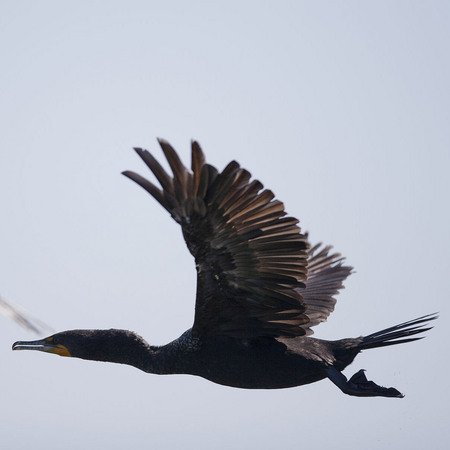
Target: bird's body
[260, 289]
[264, 363]
[251, 364]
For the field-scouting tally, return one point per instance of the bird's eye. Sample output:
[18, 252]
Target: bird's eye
[55, 340]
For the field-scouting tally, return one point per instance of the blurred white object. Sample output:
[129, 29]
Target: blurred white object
[23, 318]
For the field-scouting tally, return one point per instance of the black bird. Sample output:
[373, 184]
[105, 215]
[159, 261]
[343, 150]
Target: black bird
[260, 289]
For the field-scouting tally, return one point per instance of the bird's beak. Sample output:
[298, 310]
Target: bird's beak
[43, 345]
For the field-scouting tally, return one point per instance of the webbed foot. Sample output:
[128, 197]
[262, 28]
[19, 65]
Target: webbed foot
[360, 382]
[360, 386]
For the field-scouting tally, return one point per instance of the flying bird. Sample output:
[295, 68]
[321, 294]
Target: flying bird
[261, 288]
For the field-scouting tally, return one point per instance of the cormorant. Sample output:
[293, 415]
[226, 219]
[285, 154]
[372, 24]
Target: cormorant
[261, 287]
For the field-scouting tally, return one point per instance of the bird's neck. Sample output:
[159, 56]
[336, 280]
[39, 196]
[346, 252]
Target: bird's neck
[125, 347]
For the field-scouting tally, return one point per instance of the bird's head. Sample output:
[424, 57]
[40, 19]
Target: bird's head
[100, 345]
[60, 344]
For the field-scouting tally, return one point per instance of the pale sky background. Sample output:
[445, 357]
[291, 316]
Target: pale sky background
[341, 108]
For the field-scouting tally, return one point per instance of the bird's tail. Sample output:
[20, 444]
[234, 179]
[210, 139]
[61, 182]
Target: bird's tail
[398, 334]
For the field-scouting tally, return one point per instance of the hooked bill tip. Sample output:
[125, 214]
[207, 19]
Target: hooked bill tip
[28, 345]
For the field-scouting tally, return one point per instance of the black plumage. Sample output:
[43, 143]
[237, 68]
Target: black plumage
[260, 289]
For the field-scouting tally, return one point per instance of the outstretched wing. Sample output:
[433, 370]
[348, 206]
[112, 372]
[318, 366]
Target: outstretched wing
[251, 259]
[326, 274]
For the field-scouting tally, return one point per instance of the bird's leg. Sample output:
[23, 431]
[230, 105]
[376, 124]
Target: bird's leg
[359, 385]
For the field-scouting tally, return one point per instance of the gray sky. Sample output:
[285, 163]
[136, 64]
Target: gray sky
[341, 108]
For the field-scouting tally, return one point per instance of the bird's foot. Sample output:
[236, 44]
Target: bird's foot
[360, 382]
[359, 385]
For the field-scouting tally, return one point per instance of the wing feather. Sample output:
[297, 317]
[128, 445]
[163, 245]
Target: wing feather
[326, 274]
[251, 259]
[256, 275]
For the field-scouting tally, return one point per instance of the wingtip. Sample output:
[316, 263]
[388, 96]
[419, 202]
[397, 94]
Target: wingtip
[162, 141]
[140, 151]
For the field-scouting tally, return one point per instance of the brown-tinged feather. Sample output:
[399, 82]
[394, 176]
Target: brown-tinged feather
[256, 276]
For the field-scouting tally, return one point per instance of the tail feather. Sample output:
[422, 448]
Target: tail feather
[393, 335]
